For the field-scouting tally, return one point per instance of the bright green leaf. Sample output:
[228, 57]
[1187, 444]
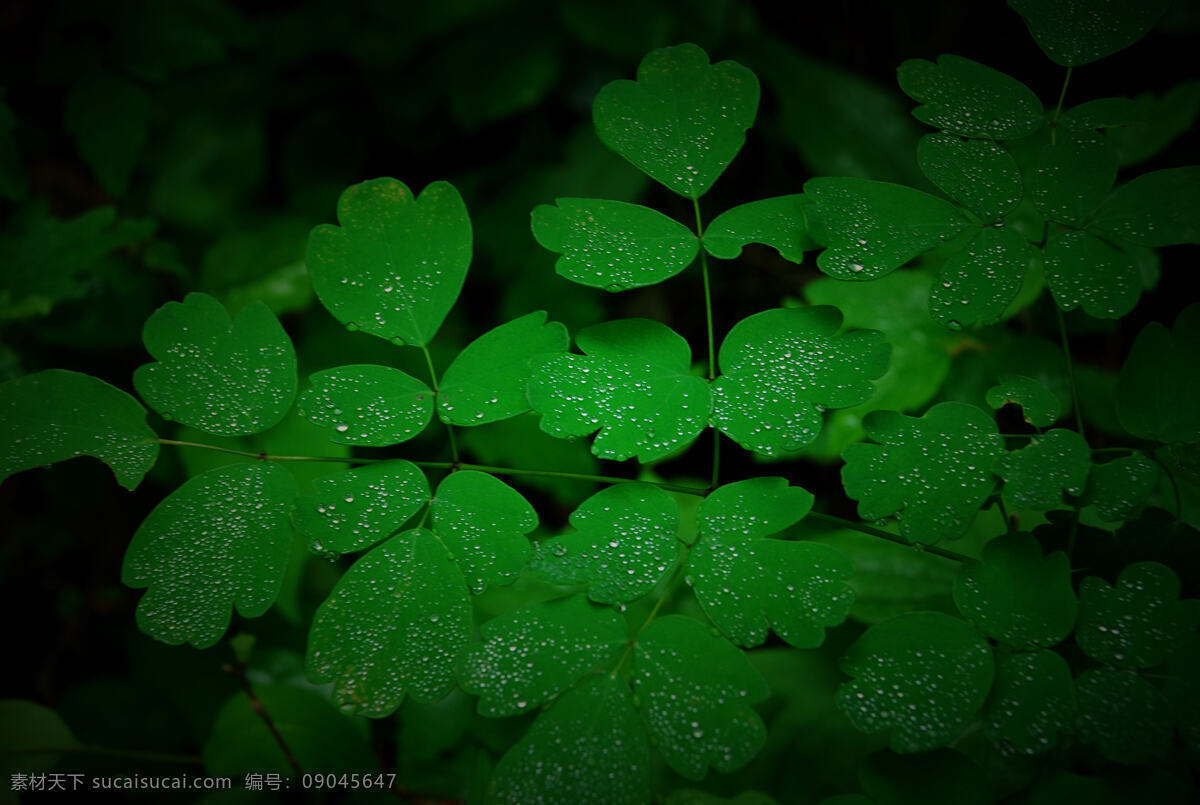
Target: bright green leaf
[971, 99]
[1122, 713]
[1039, 405]
[683, 121]
[981, 175]
[1160, 208]
[1137, 623]
[1032, 701]
[978, 283]
[219, 541]
[222, 376]
[1159, 384]
[364, 404]
[1036, 476]
[779, 222]
[396, 264]
[1117, 489]
[483, 521]
[1084, 270]
[107, 115]
[1073, 32]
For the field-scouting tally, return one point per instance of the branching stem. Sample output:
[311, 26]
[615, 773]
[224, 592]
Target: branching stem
[1058, 109]
[712, 351]
[433, 377]
[1066, 345]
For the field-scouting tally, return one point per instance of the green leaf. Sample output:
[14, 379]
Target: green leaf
[1084, 270]
[782, 367]
[980, 282]
[219, 541]
[364, 404]
[357, 508]
[1074, 174]
[531, 655]
[1126, 716]
[971, 99]
[107, 115]
[1032, 701]
[1137, 623]
[981, 175]
[1119, 488]
[222, 376]
[779, 222]
[1039, 405]
[1159, 384]
[1159, 121]
[519, 442]
[920, 677]
[633, 383]
[1036, 475]
[1183, 691]
[487, 381]
[624, 540]
[1072, 33]
[396, 264]
[872, 228]
[393, 624]
[746, 583]
[586, 748]
[1016, 596]
[483, 521]
[613, 245]
[28, 725]
[1160, 208]
[695, 692]
[683, 121]
[56, 415]
[933, 471]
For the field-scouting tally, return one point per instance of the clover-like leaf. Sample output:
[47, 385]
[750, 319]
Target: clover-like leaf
[969, 98]
[613, 245]
[1160, 208]
[487, 381]
[633, 383]
[1137, 623]
[1126, 716]
[1072, 33]
[531, 655]
[1036, 476]
[56, 415]
[357, 508]
[586, 748]
[978, 283]
[920, 677]
[219, 541]
[1032, 701]
[932, 471]
[230, 378]
[1159, 385]
[624, 540]
[981, 175]
[695, 692]
[483, 521]
[780, 368]
[394, 623]
[396, 264]
[1015, 595]
[683, 121]
[1119, 487]
[747, 583]
[1074, 174]
[871, 228]
[373, 406]
[1083, 270]
[779, 222]
[1038, 404]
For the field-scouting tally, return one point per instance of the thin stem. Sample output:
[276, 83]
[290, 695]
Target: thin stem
[1066, 345]
[602, 479]
[1008, 526]
[712, 351]
[433, 377]
[658, 605]
[271, 456]
[105, 751]
[1058, 109]
[896, 538]
[1174, 487]
[239, 671]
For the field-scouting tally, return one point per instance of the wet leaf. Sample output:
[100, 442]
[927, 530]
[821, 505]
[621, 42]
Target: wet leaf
[1119, 488]
[1137, 623]
[971, 99]
[778, 222]
[980, 282]
[1038, 404]
[781, 368]
[396, 264]
[56, 415]
[222, 376]
[1072, 33]
[219, 541]
[483, 521]
[981, 175]
[1160, 381]
[1074, 174]
[1160, 208]
[1122, 713]
[1084, 270]
[1032, 701]
[683, 121]
[1036, 476]
[364, 404]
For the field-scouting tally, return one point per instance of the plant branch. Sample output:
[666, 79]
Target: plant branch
[712, 351]
[433, 377]
[271, 456]
[239, 671]
[896, 538]
[1058, 109]
[1066, 345]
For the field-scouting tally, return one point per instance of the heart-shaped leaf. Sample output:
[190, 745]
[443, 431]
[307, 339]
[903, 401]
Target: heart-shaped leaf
[373, 406]
[1039, 405]
[981, 175]
[1032, 701]
[1083, 270]
[1036, 476]
[1137, 623]
[979, 283]
[1072, 33]
[483, 521]
[779, 222]
[1160, 208]
[970, 99]
[1117, 489]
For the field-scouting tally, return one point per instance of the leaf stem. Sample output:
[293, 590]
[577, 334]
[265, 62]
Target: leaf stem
[577, 476]
[1066, 345]
[239, 671]
[708, 321]
[271, 456]
[433, 377]
[1058, 109]
[896, 538]
[1000, 507]
[658, 605]
[104, 751]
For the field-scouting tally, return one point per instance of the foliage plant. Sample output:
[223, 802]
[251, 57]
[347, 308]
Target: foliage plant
[626, 646]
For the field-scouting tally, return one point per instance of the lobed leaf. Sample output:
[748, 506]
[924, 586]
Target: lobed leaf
[1036, 476]
[373, 406]
[979, 283]
[1039, 405]
[1084, 270]
[970, 99]
[1072, 32]
[483, 521]
[1074, 174]
[1137, 623]
[981, 175]
[1032, 701]
[1159, 382]
[1160, 208]
[1124, 715]
[778, 222]
[1117, 489]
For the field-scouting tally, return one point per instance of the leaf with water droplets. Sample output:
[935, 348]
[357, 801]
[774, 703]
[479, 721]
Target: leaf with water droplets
[871, 228]
[1117, 489]
[219, 541]
[920, 677]
[483, 521]
[969, 98]
[1159, 384]
[779, 222]
[357, 508]
[231, 378]
[1160, 208]
[746, 583]
[373, 406]
[781, 368]
[1038, 404]
[978, 283]
[531, 655]
[1137, 623]
[396, 264]
[487, 381]
[613, 245]
[56, 415]
[934, 471]
[1074, 174]
[1036, 476]
[1084, 270]
[1032, 701]
[394, 623]
[1123, 714]
[981, 175]
[696, 693]
[1072, 33]
[1016, 596]
[587, 748]
[623, 542]
[683, 121]
[634, 384]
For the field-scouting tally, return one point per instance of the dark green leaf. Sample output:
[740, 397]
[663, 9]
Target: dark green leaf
[1032, 701]
[1119, 488]
[1160, 208]
[1158, 122]
[1137, 623]
[1160, 381]
[1084, 270]
[1039, 405]
[1126, 716]
[107, 115]
[482, 522]
[940, 777]
[357, 508]
[28, 725]
[1183, 691]
[968, 98]
[1072, 32]
[1036, 475]
[373, 406]
[778, 222]
[981, 175]
[1074, 174]
[980, 282]
[519, 442]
